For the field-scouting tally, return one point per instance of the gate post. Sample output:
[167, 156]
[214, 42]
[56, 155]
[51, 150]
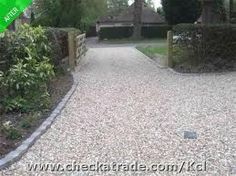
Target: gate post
[71, 46]
[170, 48]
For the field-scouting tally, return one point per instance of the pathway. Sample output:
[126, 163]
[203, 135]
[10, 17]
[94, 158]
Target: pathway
[127, 110]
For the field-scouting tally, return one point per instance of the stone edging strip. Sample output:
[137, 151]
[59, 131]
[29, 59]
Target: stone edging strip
[15, 155]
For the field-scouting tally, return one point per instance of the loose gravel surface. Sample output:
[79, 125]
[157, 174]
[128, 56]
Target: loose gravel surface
[127, 110]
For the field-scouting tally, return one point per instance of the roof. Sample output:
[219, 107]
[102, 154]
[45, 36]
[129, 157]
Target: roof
[148, 16]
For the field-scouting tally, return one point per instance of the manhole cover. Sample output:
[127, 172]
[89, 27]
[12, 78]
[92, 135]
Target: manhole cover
[190, 135]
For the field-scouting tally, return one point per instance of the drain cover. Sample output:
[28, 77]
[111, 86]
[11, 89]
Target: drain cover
[190, 135]
[233, 170]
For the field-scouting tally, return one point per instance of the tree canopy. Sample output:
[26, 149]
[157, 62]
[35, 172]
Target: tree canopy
[68, 13]
[150, 4]
[116, 6]
[181, 11]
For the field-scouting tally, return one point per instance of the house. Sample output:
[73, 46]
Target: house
[125, 18]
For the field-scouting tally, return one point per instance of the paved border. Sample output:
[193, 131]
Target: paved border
[16, 155]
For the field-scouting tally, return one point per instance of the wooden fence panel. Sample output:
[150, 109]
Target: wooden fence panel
[77, 48]
[80, 46]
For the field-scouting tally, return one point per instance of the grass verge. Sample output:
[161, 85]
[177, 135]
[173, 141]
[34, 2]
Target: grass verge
[152, 51]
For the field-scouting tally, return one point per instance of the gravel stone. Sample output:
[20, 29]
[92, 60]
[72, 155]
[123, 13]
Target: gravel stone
[126, 109]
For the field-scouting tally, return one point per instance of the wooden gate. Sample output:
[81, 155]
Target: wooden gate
[77, 48]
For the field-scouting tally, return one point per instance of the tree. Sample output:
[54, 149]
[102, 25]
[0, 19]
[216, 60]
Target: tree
[138, 8]
[91, 11]
[150, 4]
[68, 13]
[115, 7]
[160, 11]
[181, 11]
[220, 10]
[58, 13]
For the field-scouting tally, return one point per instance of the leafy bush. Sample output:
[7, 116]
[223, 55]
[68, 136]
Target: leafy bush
[10, 131]
[28, 69]
[210, 47]
[29, 121]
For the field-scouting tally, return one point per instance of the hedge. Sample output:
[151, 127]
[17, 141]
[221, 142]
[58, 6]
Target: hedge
[205, 47]
[155, 31]
[58, 37]
[115, 32]
[126, 32]
[91, 32]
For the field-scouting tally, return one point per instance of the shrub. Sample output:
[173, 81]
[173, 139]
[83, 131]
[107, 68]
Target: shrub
[91, 32]
[155, 31]
[30, 120]
[10, 131]
[210, 47]
[126, 32]
[28, 69]
[115, 32]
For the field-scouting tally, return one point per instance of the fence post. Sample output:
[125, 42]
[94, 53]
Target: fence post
[170, 48]
[72, 54]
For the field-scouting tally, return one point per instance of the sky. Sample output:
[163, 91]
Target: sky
[156, 2]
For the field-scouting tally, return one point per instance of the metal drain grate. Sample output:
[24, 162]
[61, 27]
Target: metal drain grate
[190, 135]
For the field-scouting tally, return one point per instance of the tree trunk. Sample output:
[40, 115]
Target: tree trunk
[209, 12]
[138, 8]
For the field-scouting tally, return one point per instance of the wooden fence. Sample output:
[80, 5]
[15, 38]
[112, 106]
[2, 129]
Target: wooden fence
[80, 46]
[77, 48]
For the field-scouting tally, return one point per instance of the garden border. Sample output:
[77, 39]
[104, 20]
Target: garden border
[16, 154]
[171, 70]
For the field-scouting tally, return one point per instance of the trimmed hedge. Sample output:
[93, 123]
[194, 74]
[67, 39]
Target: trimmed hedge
[126, 32]
[203, 48]
[155, 31]
[115, 32]
[91, 32]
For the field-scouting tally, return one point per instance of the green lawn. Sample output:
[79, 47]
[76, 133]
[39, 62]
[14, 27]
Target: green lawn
[131, 41]
[152, 51]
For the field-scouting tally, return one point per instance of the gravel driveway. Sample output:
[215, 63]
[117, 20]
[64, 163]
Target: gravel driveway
[127, 110]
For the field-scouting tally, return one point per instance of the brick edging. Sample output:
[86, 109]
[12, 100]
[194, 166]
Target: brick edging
[16, 154]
